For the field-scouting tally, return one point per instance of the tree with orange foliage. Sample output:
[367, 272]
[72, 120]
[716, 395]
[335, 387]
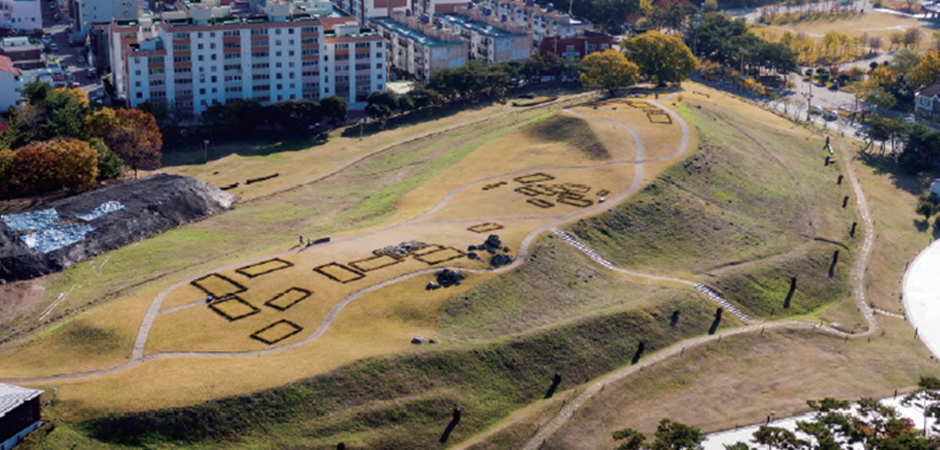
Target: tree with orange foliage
[76, 161]
[36, 168]
[131, 133]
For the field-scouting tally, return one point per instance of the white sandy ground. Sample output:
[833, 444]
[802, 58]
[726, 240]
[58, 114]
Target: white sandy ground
[717, 441]
[921, 294]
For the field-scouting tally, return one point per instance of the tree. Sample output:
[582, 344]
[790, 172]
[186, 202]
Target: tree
[76, 163]
[35, 167]
[912, 37]
[677, 436]
[660, 58]
[897, 38]
[609, 70]
[110, 165]
[927, 395]
[382, 104]
[927, 71]
[334, 109]
[632, 439]
[131, 133]
[906, 61]
[7, 172]
[776, 438]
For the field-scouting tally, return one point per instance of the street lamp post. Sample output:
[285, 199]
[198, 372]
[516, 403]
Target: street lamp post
[205, 151]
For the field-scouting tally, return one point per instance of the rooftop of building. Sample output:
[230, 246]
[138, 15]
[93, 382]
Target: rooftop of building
[477, 26]
[14, 396]
[930, 91]
[412, 33]
[6, 65]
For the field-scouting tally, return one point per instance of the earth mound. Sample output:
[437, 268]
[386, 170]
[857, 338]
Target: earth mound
[46, 240]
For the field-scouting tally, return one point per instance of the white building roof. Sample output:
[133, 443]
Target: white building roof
[13, 396]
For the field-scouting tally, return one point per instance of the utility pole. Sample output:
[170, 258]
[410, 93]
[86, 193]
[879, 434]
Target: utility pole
[205, 151]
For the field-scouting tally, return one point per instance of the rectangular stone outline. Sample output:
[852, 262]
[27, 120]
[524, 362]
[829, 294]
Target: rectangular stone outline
[423, 257]
[232, 298]
[540, 203]
[485, 227]
[319, 269]
[533, 178]
[270, 303]
[244, 270]
[577, 188]
[257, 334]
[602, 192]
[355, 264]
[428, 250]
[224, 278]
[579, 202]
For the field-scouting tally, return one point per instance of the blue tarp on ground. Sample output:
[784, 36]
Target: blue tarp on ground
[36, 220]
[105, 208]
[56, 237]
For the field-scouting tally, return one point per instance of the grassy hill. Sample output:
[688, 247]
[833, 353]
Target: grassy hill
[752, 208]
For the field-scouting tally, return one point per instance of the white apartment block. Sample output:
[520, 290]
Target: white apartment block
[21, 14]
[11, 83]
[209, 57]
[492, 40]
[102, 11]
[432, 7]
[364, 10]
[541, 22]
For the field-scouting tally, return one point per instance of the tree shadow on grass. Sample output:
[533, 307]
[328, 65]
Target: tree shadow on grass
[887, 165]
[922, 225]
[191, 151]
[554, 387]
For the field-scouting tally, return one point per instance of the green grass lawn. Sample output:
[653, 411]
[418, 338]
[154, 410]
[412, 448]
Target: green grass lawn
[750, 209]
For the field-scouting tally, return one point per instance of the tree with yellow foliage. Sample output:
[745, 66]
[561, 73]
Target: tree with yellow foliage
[609, 70]
[76, 163]
[927, 71]
[661, 58]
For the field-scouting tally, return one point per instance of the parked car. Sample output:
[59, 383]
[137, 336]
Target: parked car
[46, 39]
[53, 47]
[830, 115]
[910, 118]
[815, 110]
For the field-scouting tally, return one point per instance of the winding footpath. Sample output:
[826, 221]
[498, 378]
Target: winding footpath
[138, 356]
[859, 266]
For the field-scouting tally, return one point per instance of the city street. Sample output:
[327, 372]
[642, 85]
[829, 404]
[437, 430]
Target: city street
[71, 59]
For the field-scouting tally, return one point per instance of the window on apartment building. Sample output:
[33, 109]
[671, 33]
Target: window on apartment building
[326, 57]
[378, 54]
[137, 84]
[155, 71]
[290, 53]
[278, 75]
[259, 43]
[308, 30]
[182, 69]
[277, 42]
[310, 51]
[259, 32]
[342, 46]
[215, 79]
[212, 45]
[263, 87]
[312, 85]
[260, 76]
[215, 90]
[308, 63]
[156, 83]
[140, 95]
[199, 35]
[202, 91]
[326, 79]
[181, 59]
[378, 77]
[344, 57]
[290, 42]
[360, 78]
[311, 73]
[186, 92]
[378, 65]
[290, 64]
[137, 72]
[362, 67]
[277, 54]
[362, 56]
[199, 46]
[362, 45]
[260, 66]
[233, 89]
[308, 41]
[212, 34]
[180, 35]
[290, 31]
[290, 75]
[228, 67]
[280, 87]
[230, 33]
[212, 69]
[232, 56]
[229, 78]
[277, 65]
[185, 81]
[292, 85]
[156, 60]
[212, 56]
[277, 31]
[199, 57]
[259, 54]
[202, 79]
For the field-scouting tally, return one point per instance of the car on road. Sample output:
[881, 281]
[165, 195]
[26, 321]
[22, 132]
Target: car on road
[830, 114]
[910, 118]
[75, 85]
[53, 47]
[815, 110]
[46, 39]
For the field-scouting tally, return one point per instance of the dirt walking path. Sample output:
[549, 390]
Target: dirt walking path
[859, 265]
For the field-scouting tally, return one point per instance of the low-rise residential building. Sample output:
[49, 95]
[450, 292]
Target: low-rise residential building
[432, 7]
[206, 54]
[927, 106]
[417, 48]
[576, 46]
[23, 53]
[540, 22]
[365, 10]
[87, 12]
[20, 413]
[492, 40]
[21, 14]
[11, 83]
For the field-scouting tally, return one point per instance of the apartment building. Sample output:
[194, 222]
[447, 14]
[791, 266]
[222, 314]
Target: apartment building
[492, 40]
[540, 22]
[417, 48]
[206, 55]
[21, 14]
[88, 12]
[432, 7]
[365, 10]
[11, 83]
[576, 47]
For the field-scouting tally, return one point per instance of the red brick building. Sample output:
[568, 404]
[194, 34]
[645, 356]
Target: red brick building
[576, 46]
